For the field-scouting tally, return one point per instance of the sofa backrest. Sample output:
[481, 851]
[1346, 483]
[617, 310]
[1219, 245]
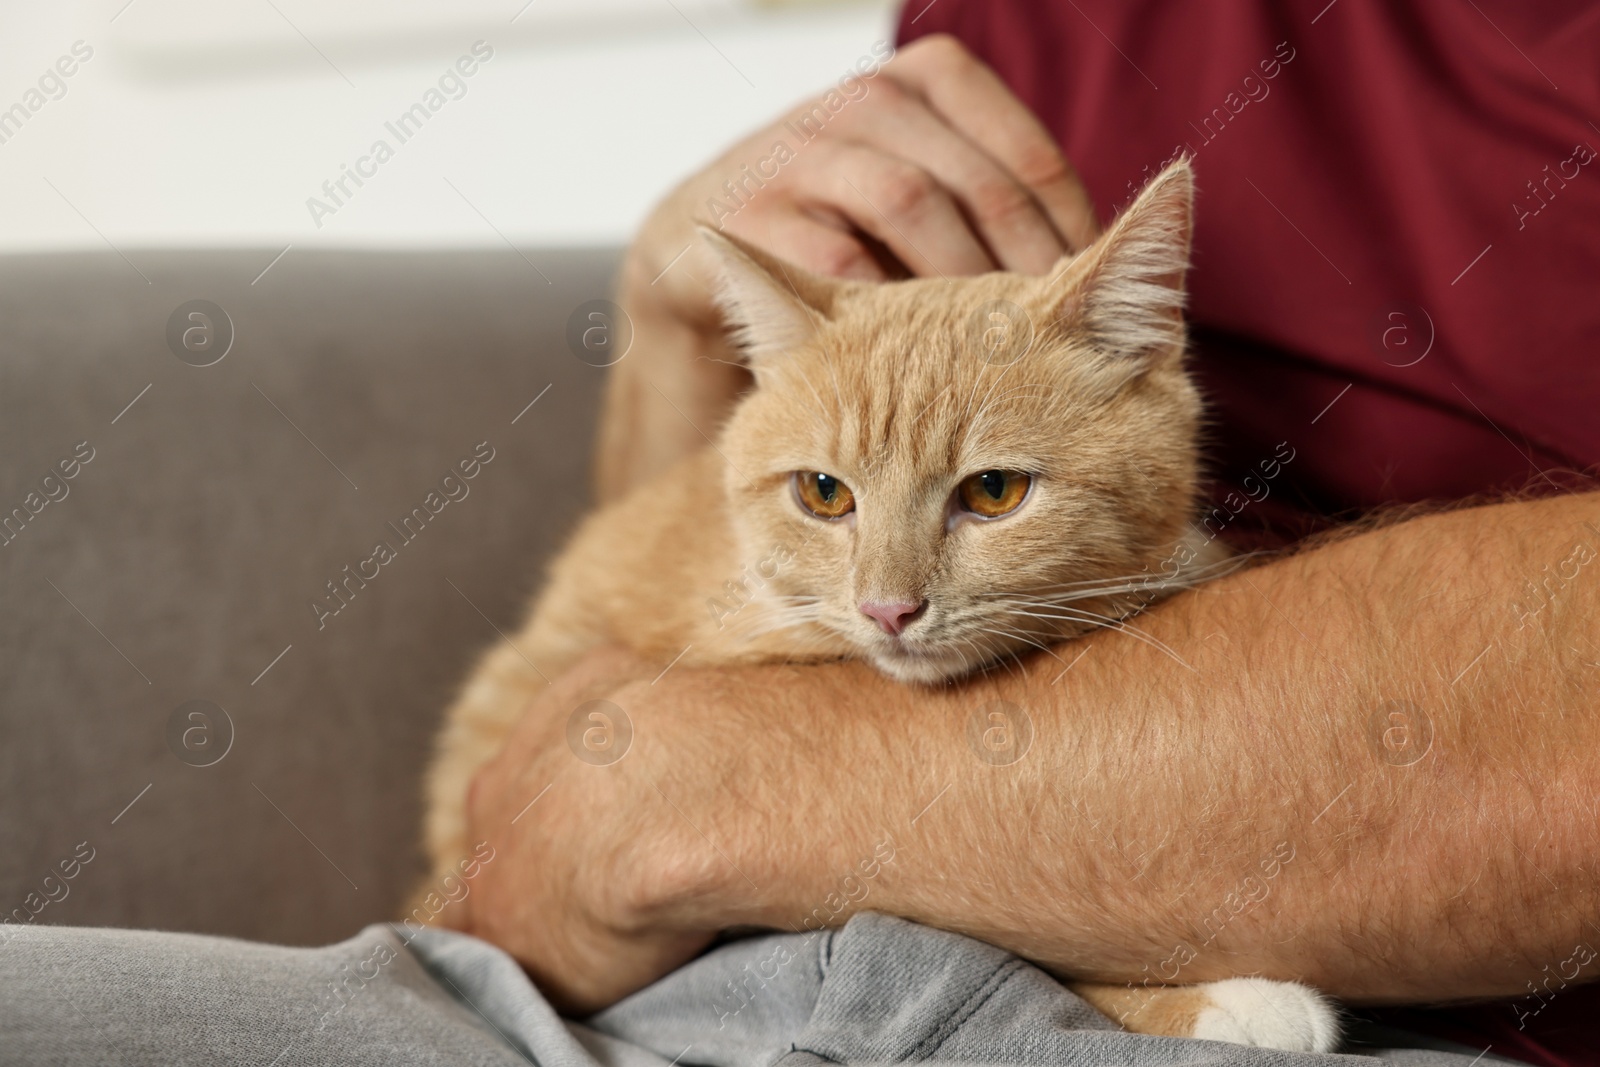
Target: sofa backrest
[173, 703]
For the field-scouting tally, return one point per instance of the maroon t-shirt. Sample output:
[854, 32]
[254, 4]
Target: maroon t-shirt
[1397, 248]
[1396, 275]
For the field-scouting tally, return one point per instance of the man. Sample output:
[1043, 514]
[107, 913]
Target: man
[1374, 769]
[1391, 296]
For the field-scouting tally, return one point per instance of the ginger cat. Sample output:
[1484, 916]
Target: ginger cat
[930, 475]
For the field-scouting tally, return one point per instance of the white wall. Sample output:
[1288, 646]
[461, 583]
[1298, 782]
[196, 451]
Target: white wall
[210, 122]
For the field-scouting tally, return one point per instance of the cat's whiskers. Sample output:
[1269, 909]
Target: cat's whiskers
[774, 620]
[977, 419]
[807, 641]
[1130, 583]
[974, 419]
[1115, 599]
[827, 359]
[1006, 654]
[1106, 622]
[982, 656]
[1020, 635]
[940, 395]
[990, 657]
[977, 381]
[817, 415]
[774, 612]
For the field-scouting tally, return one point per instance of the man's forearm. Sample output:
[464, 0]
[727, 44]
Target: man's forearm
[1372, 766]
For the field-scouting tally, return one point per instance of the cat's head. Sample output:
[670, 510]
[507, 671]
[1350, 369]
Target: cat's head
[941, 473]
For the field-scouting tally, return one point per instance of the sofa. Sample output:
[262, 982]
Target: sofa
[219, 688]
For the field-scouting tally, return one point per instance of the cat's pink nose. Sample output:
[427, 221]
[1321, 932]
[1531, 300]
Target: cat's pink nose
[892, 617]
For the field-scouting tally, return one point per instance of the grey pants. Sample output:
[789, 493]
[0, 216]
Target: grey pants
[878, 991]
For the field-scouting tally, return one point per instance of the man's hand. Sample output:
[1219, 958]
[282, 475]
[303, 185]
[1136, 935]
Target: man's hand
[932, 168]
[614, 864]
[571, 836]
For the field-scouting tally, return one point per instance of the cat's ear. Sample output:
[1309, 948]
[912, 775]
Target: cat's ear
[1123, 296]
[772, 306]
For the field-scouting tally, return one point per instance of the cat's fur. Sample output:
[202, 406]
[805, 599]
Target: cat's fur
[885, 388]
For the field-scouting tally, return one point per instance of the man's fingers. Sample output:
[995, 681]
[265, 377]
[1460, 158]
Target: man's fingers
[820, 242]
[900, 204]
[941, 168]
[973, 99]
[1009, 218]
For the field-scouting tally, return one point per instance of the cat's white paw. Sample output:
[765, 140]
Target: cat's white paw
[1266, 1014]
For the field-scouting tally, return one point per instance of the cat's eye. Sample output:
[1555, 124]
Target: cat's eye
[992, 494]
[823, 495]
